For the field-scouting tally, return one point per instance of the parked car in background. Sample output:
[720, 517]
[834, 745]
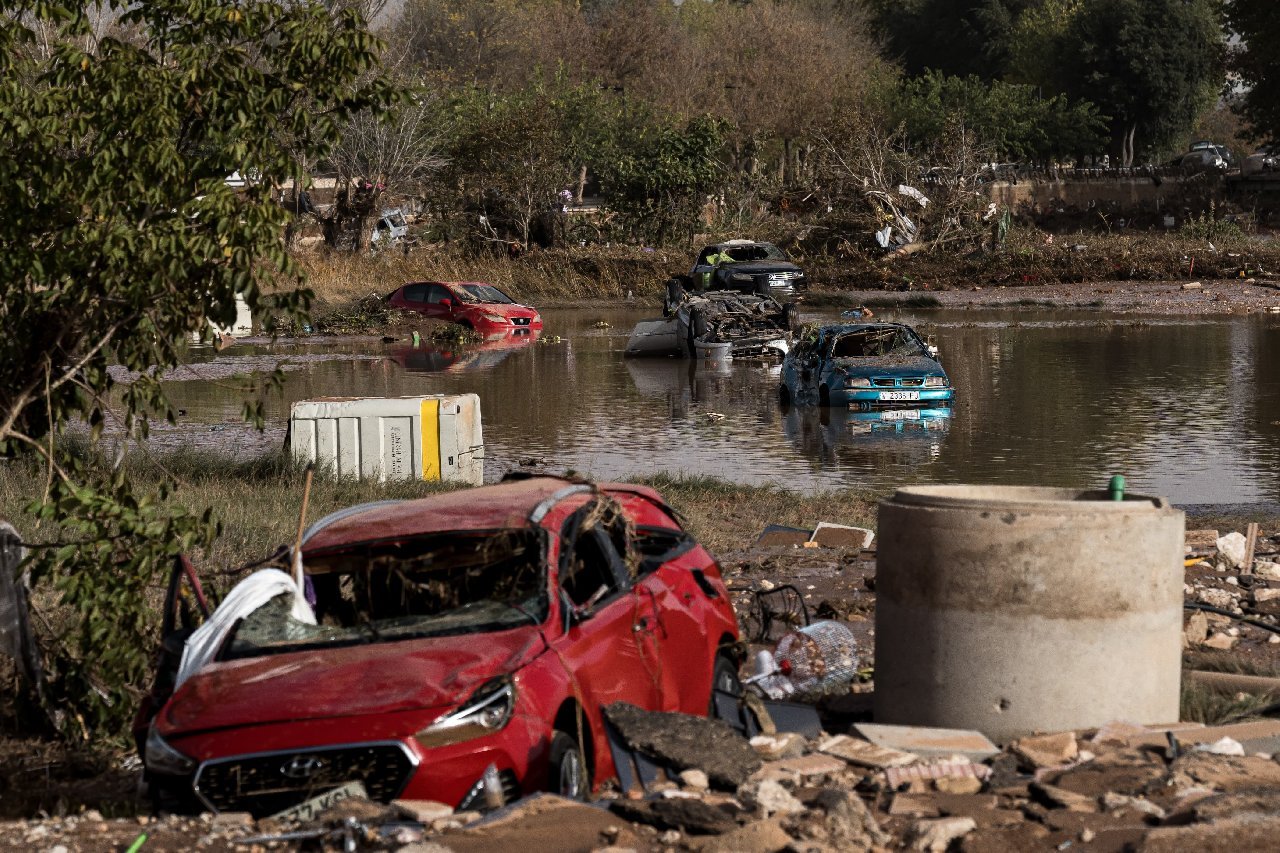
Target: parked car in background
[473, 304]
[391, 228]
[1227, 155]
[748, 266]
[1265, 160]
[454, 636]
[865, 367]
[1201, 161]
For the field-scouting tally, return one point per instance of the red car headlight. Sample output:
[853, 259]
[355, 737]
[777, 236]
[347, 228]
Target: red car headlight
[495, 318]
[487, 711]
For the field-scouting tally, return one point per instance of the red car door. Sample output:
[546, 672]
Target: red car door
[609, 646]
[440, 303]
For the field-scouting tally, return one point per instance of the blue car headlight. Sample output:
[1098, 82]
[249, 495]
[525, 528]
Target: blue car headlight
[857, 382]
[935, 382]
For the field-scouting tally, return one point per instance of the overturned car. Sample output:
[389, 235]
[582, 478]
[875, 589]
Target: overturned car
[441, 647]
[714, 324]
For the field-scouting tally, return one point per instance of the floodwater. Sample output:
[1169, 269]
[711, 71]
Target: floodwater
[1188, 408]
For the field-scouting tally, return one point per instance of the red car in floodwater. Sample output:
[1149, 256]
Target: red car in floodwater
[473, 304]
[488, 626]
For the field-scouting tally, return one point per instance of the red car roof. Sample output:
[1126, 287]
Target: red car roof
[503, 505]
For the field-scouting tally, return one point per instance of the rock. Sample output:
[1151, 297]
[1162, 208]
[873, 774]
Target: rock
[691, 816]
[425, 847]
[1226, 773]
[1114, 802]
[1261, 594]
[937, 834]
[781, 745]
[770, 797]
[1224, 746]
[687, 742]
[1214, 597]
[1222, 806]
[849, 822]
[1046, 750]
[223, 821]
[694, 780]
[958, 785]
[1268, 570]
[422, 811]
[1231, 550]
[1118, 732]
[864, 753]
[1196, 630]
[1061, 798]
[762, 836]
[1224, 836]
[1221, 641]
[803, 768]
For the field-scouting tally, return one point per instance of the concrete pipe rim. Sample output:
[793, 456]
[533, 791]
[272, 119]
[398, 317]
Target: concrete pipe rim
[1027, 498]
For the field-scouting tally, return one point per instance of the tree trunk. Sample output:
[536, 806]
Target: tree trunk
[582, 183]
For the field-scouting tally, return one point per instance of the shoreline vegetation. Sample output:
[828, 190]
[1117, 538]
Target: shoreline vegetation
[349, 290]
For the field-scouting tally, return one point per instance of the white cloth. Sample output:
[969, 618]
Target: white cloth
[245, 597]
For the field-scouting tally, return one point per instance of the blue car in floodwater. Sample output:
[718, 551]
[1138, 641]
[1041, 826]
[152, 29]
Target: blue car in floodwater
[865, 367]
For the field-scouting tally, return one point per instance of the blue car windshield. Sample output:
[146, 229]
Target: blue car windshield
[878, 343]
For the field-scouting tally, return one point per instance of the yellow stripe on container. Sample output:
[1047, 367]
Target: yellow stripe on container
[431, 439]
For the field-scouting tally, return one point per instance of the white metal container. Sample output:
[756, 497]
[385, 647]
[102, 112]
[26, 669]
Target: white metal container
[436, 437]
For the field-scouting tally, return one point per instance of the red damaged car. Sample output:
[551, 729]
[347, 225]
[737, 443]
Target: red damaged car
[488, 626]
[473, 304]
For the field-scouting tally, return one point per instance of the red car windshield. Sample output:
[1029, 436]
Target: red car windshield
[482, 293]
[449, 583]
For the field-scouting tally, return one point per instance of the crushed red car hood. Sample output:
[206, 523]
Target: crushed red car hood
[344, 682]
[503, 309]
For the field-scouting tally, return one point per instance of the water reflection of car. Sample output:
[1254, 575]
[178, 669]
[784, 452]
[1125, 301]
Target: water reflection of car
[473, 304]
[893, 436]
[486, 628]
[430, 357]
[865, 366]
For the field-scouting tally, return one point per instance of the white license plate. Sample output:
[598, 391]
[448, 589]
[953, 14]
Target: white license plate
[314, 807]
[900, 415]
[899, 395]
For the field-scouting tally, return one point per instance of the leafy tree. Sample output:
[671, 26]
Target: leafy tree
[122, 238]
[957, 37]
[1153, 66]
[1256, 61]
[660, 180]
[1011, 119]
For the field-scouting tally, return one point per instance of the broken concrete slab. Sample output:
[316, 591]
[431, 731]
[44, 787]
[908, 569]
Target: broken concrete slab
[686, 742]
[803, 768]
[864, 753]
[1260, 736]
[422, 811]
[1061, 798]
[690, 816]
[829, 535]
[777, 746]
[769, 797]
[1126, 771]
[1226, 773]
[941, 805]
[925, 741]
[1053, 750]
[936, 835]
[1226, 836]
[927, 772]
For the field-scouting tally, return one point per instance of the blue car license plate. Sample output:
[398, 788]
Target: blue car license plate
[899, 395]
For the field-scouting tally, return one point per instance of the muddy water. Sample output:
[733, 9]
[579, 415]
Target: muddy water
[1187, 408]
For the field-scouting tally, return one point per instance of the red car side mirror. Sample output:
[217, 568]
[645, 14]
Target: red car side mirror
[446, 302]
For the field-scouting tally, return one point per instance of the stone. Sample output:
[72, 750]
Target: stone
[1114, 802]
[1231, 550]
[849, 822]
[223, 821]
[1052, 750]
[694, 780]
[687, 815]
[687, 742]
[1196, 630]
[1223, 746]
[778, 746]
[958, 785]
[937, 834]
[425, 847]
[1224, 836]
[422, 811]
[1262, 802]
[802, 768]
[770, 797]
[864, 753]
[1214, 597]
[1221, 641]
[1227, 773]
[1267, 569]
[1118, 732]
[1261, 594]
[1061, 798]
[762, 836]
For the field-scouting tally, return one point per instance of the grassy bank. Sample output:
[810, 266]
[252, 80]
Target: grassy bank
[349, 288]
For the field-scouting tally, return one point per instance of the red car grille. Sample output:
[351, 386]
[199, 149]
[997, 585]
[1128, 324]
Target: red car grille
[269, 782]
[520, 321]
